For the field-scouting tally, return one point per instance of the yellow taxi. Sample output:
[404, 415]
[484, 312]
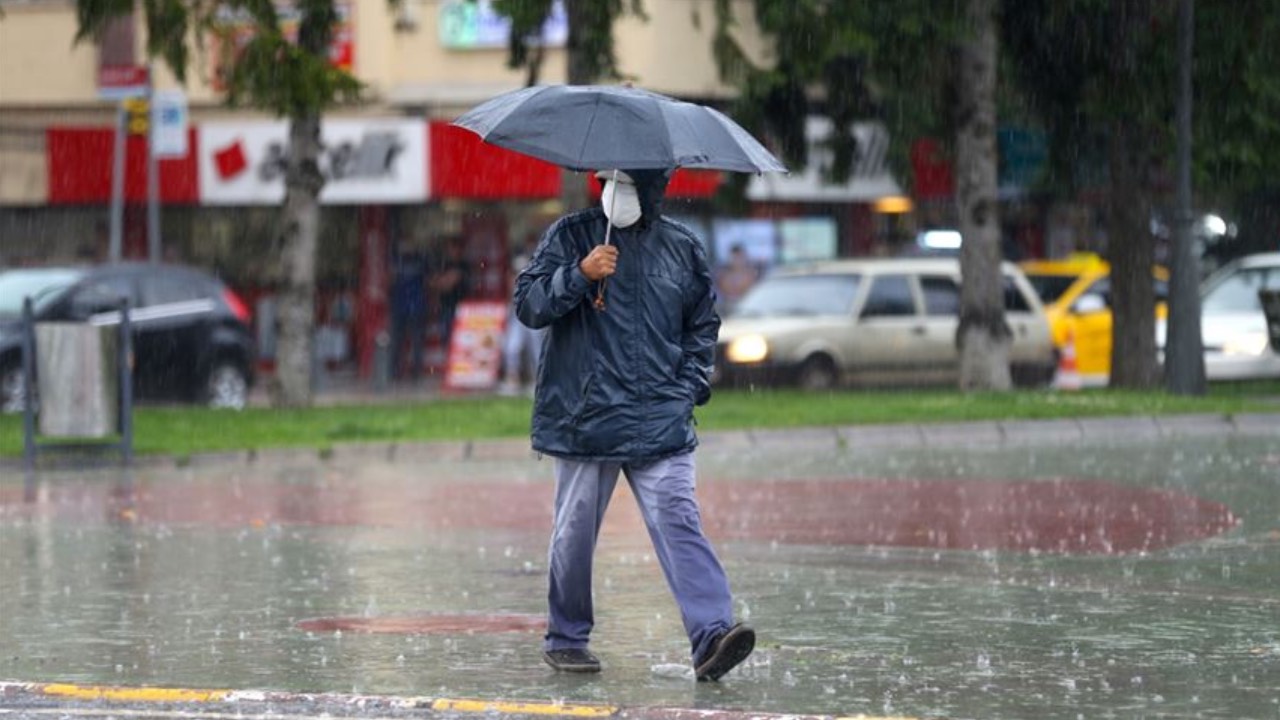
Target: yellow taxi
[1076, 293]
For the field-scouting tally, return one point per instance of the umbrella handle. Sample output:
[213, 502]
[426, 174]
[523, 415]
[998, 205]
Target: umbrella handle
[599, 301]
[608, 231]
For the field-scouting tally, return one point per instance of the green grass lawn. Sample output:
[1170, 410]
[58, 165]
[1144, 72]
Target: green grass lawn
[184, 430]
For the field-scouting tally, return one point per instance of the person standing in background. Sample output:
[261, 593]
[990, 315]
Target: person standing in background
[735, 277]
[450, 284]
[408, 313]
[522, 345]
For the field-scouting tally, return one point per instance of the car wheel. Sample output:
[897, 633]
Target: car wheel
[817, 373]
[227, 387]
[13, 390]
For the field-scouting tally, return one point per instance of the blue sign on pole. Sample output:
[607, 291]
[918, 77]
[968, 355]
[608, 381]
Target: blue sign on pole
[169, 123]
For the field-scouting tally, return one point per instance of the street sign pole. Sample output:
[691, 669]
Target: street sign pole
[153, 179]
[117, 185]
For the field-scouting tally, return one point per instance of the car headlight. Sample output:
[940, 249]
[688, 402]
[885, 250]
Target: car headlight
[1254, 343]
[747, 349]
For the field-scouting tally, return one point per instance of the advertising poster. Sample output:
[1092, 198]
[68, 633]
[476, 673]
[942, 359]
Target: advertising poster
[475, 352]
[807, 239]
[758, 237]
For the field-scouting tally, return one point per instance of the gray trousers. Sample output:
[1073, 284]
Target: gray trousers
[664, 491]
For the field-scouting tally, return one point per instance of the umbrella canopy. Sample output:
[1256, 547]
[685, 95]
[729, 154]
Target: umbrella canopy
[588, 127]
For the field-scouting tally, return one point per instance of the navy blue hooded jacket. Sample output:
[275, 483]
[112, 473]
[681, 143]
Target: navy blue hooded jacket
[620, 384]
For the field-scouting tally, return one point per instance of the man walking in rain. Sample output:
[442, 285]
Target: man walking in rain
[632, 338]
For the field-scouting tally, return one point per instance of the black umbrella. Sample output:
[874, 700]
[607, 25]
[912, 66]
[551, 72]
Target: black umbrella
[590, 127]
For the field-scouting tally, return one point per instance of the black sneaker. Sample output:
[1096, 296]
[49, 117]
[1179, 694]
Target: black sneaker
[574, 660]
[727, 651]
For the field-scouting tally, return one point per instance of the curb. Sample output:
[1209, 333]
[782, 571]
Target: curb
[905, 436]
[33, 698]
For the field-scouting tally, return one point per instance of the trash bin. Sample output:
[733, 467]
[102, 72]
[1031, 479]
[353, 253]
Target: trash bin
[1271, 306]
[78, 379]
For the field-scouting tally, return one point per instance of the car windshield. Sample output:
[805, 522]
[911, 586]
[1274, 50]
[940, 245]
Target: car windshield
[1239, 292]
[800, 295]
[40, 285]
[1051, 287]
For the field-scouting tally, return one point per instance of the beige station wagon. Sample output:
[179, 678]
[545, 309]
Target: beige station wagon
[889, 322]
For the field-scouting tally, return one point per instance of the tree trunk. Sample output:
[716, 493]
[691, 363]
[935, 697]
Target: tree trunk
[298, 240]
[1130, 246]
[1131, 249]
[983, 335]
[573, 189]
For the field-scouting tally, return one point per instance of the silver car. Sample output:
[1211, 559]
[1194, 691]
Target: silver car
[1233, 326]
[870, 322]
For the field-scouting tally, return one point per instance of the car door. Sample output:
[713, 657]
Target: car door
[885, 346]
[172, 328]
[1031, 344]
[1091, 329]
[937, 344]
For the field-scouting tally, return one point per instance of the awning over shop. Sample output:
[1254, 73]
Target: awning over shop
[368, 161]
[79, 168]
[465, 167]
[869, 181]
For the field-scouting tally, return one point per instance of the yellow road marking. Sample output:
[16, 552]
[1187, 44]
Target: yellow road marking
[97, 692]
[180, 695]
[524, 708]
[163, 714]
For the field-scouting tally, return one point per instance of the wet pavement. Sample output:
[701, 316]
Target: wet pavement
[1107, 568]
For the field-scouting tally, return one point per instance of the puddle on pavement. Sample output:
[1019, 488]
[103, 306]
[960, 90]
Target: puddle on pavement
[1028, 582]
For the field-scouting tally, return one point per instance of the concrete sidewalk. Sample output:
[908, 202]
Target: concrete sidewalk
[905, 436]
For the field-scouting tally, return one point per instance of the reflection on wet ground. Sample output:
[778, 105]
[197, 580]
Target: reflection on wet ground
[1107, 581]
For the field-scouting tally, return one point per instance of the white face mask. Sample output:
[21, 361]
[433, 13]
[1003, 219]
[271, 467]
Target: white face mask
[621, 203]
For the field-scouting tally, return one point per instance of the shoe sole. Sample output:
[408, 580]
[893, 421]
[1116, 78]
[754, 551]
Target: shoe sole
[571, 668]
[734, 647]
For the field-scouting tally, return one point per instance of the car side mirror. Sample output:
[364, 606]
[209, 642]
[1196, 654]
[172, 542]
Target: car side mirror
[1089, 303]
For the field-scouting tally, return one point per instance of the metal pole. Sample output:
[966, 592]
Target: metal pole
[29, 396]
[153, 177]
[124, 349]
[1184, 347]
[117, 185]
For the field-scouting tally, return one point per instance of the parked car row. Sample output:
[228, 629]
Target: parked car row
[893, 322]
[191, 334]
[841, 322]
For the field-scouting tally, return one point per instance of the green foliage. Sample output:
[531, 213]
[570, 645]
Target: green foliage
[848, 61]
[527, 17]
[1236, 83]
[288, 75]
[590, 34]
[1082, 64]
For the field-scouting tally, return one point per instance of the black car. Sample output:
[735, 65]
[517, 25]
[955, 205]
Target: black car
[191, 334]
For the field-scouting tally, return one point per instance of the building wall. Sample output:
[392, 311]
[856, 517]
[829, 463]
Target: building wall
[403, 63]
[47, 80]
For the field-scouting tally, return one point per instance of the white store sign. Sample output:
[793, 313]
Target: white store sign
[380, 161]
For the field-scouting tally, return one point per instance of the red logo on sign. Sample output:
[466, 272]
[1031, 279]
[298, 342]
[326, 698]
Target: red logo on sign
[230, 160]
